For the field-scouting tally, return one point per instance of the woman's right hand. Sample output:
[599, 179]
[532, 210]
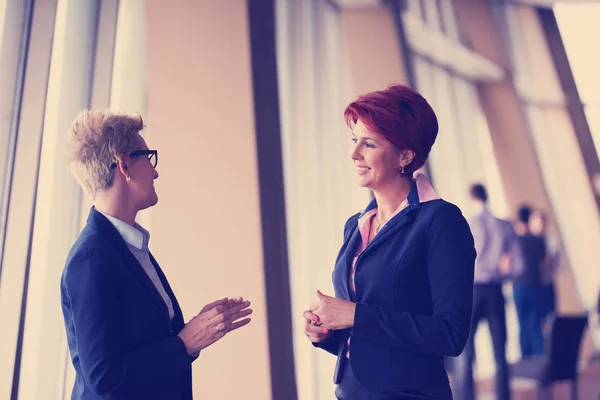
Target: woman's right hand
[213, 322]
[313, 329]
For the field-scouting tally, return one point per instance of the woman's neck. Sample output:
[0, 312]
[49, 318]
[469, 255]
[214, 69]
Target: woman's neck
[390, 198]
[111, 204]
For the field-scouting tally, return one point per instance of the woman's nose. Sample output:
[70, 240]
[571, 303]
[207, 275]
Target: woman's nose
[355, 153]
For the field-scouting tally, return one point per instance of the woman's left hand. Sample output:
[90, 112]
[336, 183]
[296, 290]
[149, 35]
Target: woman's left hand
[334, 313]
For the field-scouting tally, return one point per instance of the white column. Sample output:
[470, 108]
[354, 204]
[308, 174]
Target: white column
[128, 89]
[129, 79]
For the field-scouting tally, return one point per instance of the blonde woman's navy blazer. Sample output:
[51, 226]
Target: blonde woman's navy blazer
[121, 340]
[414, 287]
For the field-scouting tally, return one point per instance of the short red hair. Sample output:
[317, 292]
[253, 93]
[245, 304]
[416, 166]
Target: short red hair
[402, 116]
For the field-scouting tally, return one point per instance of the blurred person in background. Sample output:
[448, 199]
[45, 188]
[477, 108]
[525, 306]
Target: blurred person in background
[125, 329]
[538, 225]
[520, 227]
[527, 288]
[498, 258]
[403, 278]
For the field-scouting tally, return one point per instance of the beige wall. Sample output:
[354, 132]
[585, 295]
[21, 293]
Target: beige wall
[374, 56]
[206, 231]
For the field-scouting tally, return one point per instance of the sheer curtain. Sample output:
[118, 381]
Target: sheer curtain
[319, 188]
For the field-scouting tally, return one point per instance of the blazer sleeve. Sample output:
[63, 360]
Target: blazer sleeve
[89, 285]
[332, 343]
[450, 266]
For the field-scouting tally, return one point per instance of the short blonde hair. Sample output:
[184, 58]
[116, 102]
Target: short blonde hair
[95, 141]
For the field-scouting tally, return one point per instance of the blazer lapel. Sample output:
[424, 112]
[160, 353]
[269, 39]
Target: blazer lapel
[145, 280]
[404, 217]
[100, 223]
[354, 240]
[395, 225]
[178, 321]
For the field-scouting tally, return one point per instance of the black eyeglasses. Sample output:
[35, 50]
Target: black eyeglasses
[151, 154]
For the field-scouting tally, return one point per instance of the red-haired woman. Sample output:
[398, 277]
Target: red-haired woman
[403, 278]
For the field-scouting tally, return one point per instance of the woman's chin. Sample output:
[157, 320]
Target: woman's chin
[151, 202]
[362, 182]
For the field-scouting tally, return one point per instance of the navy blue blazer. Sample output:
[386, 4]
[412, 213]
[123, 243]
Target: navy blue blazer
[414, 287]
[122, 343]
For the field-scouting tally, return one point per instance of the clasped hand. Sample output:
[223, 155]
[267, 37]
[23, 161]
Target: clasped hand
[213, 322]
[329, 313]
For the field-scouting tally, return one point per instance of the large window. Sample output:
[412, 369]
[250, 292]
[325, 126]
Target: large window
[447, 74]
[578, 24]
[575, 213]
[56, 59]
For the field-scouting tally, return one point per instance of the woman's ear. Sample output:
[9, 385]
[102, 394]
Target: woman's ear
[406, 157]
[122, 165]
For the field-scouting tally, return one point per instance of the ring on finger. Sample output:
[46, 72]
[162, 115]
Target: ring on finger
[217, 328]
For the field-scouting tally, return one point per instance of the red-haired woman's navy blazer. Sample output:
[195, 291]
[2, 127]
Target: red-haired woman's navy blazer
[414, 288]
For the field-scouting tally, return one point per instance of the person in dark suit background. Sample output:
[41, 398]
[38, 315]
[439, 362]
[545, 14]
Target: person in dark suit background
[538, 226]
[403, 278]
[527, 288]
[125, 329]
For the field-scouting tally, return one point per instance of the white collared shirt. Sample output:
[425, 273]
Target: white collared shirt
[137, 239]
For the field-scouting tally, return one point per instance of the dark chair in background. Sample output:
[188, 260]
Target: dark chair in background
[561, 357]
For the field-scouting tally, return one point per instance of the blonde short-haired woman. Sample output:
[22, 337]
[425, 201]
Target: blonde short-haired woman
[125, 329]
